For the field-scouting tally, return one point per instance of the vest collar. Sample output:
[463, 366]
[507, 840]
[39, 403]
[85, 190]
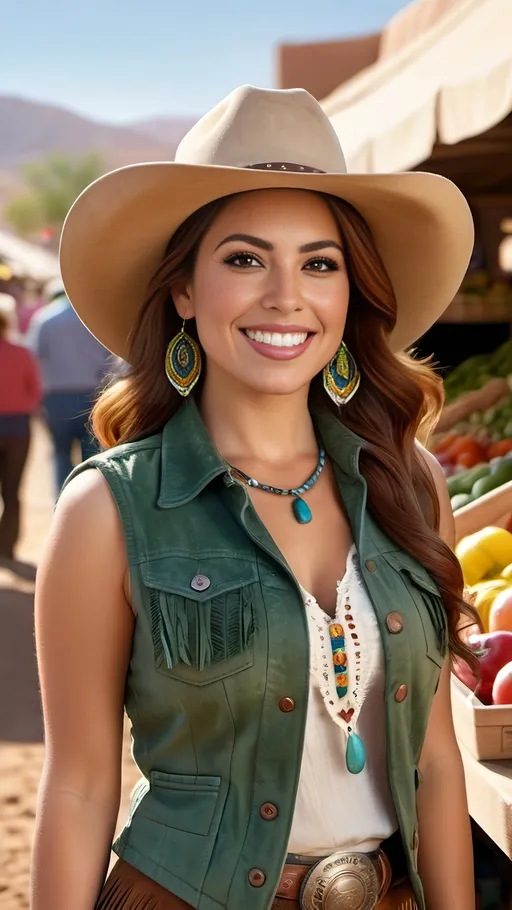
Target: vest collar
[190, 460]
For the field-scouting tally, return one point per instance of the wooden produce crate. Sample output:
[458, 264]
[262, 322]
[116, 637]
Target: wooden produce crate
[484, 730]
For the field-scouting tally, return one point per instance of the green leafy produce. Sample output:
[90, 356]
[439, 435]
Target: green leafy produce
[477, 370]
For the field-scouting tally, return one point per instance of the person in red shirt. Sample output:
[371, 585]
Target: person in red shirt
[20, 395]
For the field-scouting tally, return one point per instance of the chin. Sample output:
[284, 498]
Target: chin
[276, 386]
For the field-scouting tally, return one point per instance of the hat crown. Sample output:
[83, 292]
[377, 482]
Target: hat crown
[258, 126]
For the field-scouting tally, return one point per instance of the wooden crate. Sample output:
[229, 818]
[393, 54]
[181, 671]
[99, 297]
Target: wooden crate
[484, 730]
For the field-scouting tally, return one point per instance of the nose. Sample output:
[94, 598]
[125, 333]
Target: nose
[282, 292]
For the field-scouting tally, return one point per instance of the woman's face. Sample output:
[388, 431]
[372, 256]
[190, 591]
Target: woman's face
[270, 290]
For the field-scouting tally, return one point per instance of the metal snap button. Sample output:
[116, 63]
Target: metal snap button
[401, 693]
[200, 583]
[257, 878]
[287, 704]
[394, 623]
[370, 565]
[268, 811]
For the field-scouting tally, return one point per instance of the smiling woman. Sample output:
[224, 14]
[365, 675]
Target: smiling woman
[285, 670]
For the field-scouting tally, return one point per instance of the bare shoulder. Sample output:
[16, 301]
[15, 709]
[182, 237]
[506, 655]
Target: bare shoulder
[86, 535]
[447, 525]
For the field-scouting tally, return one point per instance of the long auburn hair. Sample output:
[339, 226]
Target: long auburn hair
[399, 398]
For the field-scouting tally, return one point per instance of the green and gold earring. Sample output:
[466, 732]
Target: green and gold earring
[183, 362]
[341, 376]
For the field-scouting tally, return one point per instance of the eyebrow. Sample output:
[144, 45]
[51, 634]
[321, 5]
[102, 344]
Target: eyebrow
[265, 245]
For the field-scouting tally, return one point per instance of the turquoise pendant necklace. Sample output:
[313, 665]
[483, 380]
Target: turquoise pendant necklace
[301, 511]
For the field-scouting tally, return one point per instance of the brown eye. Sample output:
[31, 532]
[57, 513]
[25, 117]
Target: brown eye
[242, 260]
[322, 264]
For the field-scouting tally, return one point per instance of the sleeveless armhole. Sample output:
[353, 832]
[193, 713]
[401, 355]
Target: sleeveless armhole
[110, 472]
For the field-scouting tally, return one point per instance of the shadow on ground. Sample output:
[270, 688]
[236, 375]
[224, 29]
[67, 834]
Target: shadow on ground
[20, 703]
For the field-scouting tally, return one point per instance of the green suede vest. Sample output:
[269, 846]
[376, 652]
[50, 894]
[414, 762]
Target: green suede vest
[217, 688]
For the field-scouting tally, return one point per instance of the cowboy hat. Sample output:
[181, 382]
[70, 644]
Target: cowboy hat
[116, 233]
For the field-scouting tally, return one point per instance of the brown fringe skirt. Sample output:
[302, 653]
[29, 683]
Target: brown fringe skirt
[128, 889]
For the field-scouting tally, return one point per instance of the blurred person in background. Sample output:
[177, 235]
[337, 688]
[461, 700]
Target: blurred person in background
[9, 308]
[73, 368]
[20, 394]
[33, 300]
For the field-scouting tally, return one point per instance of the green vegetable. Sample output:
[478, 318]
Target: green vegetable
[501, 475]
[464, 482]
[460, 500]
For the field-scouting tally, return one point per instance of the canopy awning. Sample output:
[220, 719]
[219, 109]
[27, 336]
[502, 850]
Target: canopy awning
[449, 83]
[26, 260]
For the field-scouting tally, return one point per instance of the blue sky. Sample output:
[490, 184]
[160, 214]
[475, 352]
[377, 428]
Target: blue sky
[129, 59]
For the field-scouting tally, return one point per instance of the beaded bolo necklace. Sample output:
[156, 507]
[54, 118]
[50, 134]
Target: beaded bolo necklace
[301, 511]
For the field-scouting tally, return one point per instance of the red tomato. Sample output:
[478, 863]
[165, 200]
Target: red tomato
[497, 449]
[469, 459]
[459, 445]
[444, 443]
[473, 453]
[502, 688]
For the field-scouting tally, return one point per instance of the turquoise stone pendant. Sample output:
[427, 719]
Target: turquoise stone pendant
[355, 754]
[301, 511]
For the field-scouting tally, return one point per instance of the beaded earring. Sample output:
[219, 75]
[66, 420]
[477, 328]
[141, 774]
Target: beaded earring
[341, 376]
[183, 362]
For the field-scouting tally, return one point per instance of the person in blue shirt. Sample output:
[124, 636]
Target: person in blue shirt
[74, 367]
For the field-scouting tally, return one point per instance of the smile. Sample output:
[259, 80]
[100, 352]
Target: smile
[286, 344]
[277, 339]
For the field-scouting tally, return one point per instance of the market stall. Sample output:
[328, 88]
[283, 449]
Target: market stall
[439, 98]
[26, 260]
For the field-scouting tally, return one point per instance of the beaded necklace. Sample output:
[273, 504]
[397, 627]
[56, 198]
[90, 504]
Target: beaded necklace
[301, 511]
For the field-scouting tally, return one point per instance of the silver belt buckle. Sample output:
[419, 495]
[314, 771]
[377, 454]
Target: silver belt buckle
[342, 881]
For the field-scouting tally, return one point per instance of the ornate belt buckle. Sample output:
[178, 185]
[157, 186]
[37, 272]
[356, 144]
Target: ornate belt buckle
[342, 881]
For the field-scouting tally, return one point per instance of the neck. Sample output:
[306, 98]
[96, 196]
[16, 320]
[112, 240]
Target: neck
[245, 424]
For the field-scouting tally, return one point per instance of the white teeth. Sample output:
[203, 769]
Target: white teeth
[277, 339]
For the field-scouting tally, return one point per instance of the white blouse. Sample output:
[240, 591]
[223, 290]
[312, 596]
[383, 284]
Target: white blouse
[336, 809]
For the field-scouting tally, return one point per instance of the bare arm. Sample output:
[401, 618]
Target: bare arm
[445, 844]
[84, 629]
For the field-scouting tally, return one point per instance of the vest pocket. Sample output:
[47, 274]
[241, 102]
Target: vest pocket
[202, 638]
[186, 802]
[429, 604]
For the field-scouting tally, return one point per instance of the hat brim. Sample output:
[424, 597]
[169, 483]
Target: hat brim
[116, 233]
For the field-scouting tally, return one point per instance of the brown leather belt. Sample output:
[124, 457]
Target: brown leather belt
[353, 880]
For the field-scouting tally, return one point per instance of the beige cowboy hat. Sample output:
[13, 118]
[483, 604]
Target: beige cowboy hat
[116, 232]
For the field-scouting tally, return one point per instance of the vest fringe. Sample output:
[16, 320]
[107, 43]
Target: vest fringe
[200, 633]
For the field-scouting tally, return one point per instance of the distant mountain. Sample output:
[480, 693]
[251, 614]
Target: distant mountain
[165, 129]
[29, 130]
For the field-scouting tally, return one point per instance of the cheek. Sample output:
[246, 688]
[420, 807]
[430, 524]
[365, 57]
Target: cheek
[219, 295]
[332, 308]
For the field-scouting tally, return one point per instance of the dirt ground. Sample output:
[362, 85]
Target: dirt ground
[21, 727]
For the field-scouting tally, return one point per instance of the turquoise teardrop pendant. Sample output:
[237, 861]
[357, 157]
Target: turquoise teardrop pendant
[301, 511]
[356, 754]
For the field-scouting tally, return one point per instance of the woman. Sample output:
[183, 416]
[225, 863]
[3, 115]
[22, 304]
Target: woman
[20, 395]
[264, 580]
